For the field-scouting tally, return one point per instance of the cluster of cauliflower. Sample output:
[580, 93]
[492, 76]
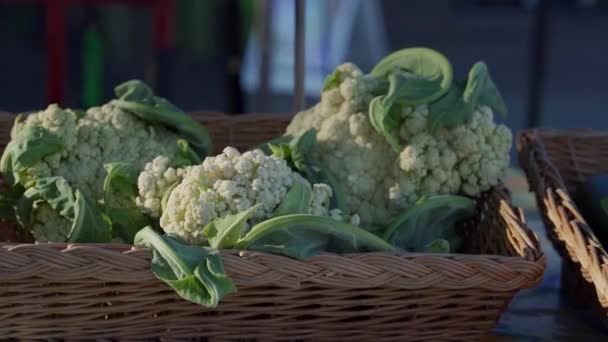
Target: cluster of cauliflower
[379, 179]
[90, 139]
[223, 185]
[379, 182]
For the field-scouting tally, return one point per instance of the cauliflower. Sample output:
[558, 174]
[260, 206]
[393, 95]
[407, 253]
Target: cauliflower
[44, 218]
[319, 205]
[104, 134]
[230, 183]
[379, 181]
[153, 182]
[75, 147]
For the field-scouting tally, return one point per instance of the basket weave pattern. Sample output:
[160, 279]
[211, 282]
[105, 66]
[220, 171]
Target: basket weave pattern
[96, 291]
[555, 162]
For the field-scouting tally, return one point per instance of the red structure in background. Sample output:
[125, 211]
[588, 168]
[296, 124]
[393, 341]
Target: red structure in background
[56, 35]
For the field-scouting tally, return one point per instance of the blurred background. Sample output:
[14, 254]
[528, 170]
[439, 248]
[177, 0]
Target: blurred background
[236, 56]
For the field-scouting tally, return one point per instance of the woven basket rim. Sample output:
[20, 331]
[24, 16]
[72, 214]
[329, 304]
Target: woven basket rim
[123, 247]
[580, 244]
[400, 270]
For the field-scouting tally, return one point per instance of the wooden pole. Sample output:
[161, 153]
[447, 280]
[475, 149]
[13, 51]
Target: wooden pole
[232, 32]
[299, 56]
[265, 25]
[538, 62]
[56, 50]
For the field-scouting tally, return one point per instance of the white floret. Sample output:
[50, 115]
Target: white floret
[48, 225]
[469, 158]
[155, 179]
[321, 195]
[230, 183]
[222, 185]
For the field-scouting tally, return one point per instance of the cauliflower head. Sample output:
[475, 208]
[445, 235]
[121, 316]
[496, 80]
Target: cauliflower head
[90, 160]
[378, 181]
[154, 181]
[101, 135]
[230, 183]
[48, 225]
[90, 140]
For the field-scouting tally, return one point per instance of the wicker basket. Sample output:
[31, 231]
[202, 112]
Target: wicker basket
[556, 161]
[89, 291]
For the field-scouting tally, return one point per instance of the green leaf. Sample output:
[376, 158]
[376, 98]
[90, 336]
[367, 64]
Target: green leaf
[166, 195]
[137, 98]
[186, 156]
[405, 89]
[195, 273]
[457, 106]
[430, 219]
[224, 232]
[481, 90]
[28, 147]
[426, 74]
[120, 190]
[315, 172]
[338, 198]
[90, 225]
[300, 147]
[305, 142]
[126, 222]
[451, 110]
[285, 153]
[411, 89]
[139, 92]
[333, 80]
[303, 236]
[294, 150]
[23, 212]
[121, 178]
[56, 192]
[438, 246]
[385, 120]
[276, 150]
[296, 201]
[297, 151]
[266, 147]
[31, 145]
[282, 151]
